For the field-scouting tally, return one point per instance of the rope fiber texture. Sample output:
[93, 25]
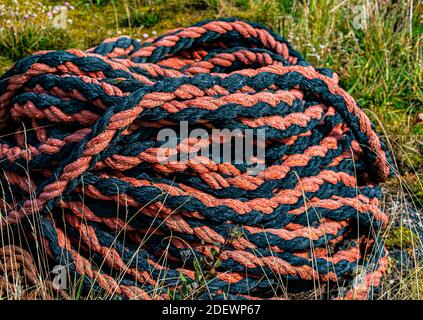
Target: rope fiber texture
[79, 155]
[20, 278]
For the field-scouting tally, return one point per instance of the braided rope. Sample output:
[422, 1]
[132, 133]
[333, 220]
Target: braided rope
[19, 277]
[86, 126]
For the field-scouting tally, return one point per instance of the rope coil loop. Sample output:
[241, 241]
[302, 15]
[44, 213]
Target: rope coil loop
[20, 278]
[84, 160]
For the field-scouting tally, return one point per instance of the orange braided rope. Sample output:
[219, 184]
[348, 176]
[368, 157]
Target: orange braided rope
[20, 279]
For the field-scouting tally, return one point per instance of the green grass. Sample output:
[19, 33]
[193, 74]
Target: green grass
[21, 40]
[380, 65]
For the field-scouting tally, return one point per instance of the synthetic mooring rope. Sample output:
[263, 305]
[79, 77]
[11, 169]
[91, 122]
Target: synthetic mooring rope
[83, 162]
[20, 278]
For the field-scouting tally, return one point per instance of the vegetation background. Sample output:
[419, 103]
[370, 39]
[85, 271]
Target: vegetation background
[374, 45]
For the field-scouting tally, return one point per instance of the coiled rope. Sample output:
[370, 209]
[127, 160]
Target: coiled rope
[83, 162]
[20, 278]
